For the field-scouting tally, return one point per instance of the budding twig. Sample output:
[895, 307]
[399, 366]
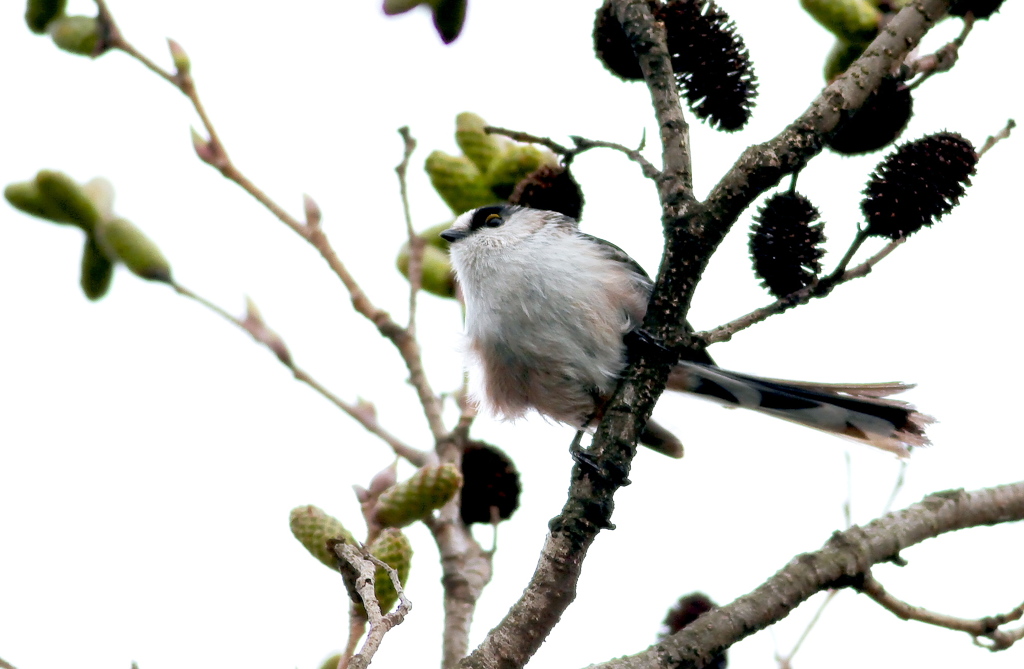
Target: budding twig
[213, 152]
[253, 324]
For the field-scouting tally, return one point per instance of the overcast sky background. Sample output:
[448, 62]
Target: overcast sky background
[150, 453]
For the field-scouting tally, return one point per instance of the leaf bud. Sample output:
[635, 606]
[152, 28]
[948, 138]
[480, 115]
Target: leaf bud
[123, 241]
[76, 34]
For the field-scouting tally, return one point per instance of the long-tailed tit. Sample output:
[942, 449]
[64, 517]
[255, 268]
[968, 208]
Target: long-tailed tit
[547, 308]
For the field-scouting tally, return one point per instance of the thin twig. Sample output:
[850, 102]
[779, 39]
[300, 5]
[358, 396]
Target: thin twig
[362, 412]
[582, 144]
[649, 170]
[848, 504]
[995, 139]
[987, 628]
[802, 296]
[213, 152]
[943, 59]
[5, 665]
[520, 136]
[897, 487]
[365, 566]
[787, 661]
[839, 276]
[416, 243]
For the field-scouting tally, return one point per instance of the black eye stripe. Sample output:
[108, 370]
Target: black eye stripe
[481, 215]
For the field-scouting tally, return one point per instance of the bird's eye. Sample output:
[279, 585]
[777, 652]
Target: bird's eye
[493, 220]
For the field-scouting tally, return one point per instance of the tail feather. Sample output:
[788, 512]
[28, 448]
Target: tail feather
[860, 412]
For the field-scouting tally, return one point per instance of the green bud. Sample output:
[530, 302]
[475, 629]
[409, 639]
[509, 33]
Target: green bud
[458, 181]
[841, 57]
[477, 145]
[39, 13]
[313, 528]
[25, 196]
[850, 20]
[429, 488]
[393, 549]
[392, 7]
[65, 194]
[120, 239]
[97, 270]
[76, 34]
[514, 165]
[101, 193]
[437, 276]
[331, 662]
[178, 56]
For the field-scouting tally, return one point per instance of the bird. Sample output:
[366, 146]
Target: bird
[548, 309]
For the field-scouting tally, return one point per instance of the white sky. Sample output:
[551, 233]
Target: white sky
[150, 453]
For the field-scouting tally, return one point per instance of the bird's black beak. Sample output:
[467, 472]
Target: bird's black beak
[451, 235]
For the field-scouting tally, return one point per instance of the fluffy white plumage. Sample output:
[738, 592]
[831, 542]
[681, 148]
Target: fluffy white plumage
[547, 307]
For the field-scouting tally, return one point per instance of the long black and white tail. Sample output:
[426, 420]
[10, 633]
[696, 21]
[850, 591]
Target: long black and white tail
[861, 412]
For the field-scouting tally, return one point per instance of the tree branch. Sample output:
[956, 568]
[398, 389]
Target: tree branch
[362, 412]
[844, 559]
[987, 627]
[361, 568]
[213, 152]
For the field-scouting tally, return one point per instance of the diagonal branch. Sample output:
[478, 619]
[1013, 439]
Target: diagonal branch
[362, 412]
[842, 562]
[213, 152]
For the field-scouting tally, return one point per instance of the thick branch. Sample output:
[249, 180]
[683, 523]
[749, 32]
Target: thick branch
[844, 559]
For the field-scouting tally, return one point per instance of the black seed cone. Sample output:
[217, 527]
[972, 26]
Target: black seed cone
[918, 184]
[490, 480]
[878, 123]
[550, 187]
[710, 61]
[982, 9]
[686, 610]
[784, 245]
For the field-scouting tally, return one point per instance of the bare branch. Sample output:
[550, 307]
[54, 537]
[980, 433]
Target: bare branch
[365, 566]
[253, 324]
[820, 288]
[988, 627]
[416, 242]
[213, 152]
[649, 170]
[520, 136]
[996, 138]
[786, 662]
[844, 559]
[582, 144]
[943, 59]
